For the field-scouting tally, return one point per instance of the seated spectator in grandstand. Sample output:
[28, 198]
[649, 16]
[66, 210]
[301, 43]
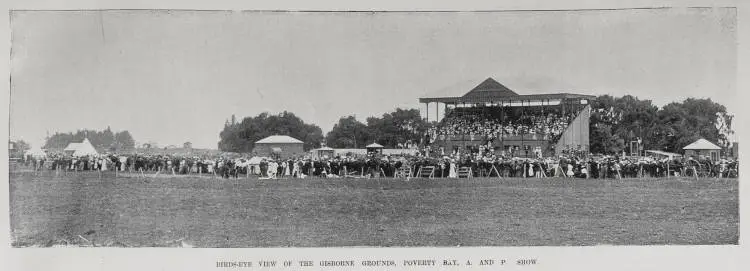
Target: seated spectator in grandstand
[550, 126]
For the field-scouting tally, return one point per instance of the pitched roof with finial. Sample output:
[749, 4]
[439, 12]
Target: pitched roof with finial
[278, 139]
[702, 144]
[374, 145]
[490, 88]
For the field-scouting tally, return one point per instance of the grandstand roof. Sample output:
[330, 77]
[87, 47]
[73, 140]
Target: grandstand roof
[279, 139]
[492, 91]
[702, 144]
[490, 88]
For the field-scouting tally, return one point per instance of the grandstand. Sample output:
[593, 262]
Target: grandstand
[491, 118]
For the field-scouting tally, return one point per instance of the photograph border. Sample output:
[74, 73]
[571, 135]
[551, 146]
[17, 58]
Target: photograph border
[724, 257]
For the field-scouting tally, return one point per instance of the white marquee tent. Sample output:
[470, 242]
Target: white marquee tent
[81, 149]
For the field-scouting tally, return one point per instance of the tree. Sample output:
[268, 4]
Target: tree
[607, 141]
[693, 119]
[616, 120]
[348, 133]
[124, 140]
[103, 140]
[397, 127]
[22, 146]
[241, 137]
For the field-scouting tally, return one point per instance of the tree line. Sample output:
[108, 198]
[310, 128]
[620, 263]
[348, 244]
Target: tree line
[241, 136]
[389, 130]
[104, 140]
[615, 121]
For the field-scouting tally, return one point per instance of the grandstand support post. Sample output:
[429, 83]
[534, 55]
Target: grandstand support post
[427, 112]
[437, 105]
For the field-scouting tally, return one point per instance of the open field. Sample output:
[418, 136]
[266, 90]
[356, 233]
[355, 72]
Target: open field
[204, 212]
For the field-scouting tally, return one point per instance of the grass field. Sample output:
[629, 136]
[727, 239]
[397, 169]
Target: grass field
[203, 212]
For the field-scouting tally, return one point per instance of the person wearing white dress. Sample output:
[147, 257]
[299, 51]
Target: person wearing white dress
[287, 165]
[452, 172]
[570, 170]
[585, 172]
[272, 168]
[210, 166]
[298, 169]
[123, 162]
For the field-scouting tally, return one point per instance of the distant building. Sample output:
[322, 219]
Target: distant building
[374, 148]
[279, 146]
[187, 145]
[735, 150]
[13, 150]
[703, 147]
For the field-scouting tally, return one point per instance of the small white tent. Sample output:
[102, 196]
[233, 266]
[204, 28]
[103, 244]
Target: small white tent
[81, 149]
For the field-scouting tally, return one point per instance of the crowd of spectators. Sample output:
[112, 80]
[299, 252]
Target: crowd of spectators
[550, 126]
[482, 164]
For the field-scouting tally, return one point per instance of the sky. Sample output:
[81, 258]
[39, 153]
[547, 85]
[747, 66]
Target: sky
[176, 76]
